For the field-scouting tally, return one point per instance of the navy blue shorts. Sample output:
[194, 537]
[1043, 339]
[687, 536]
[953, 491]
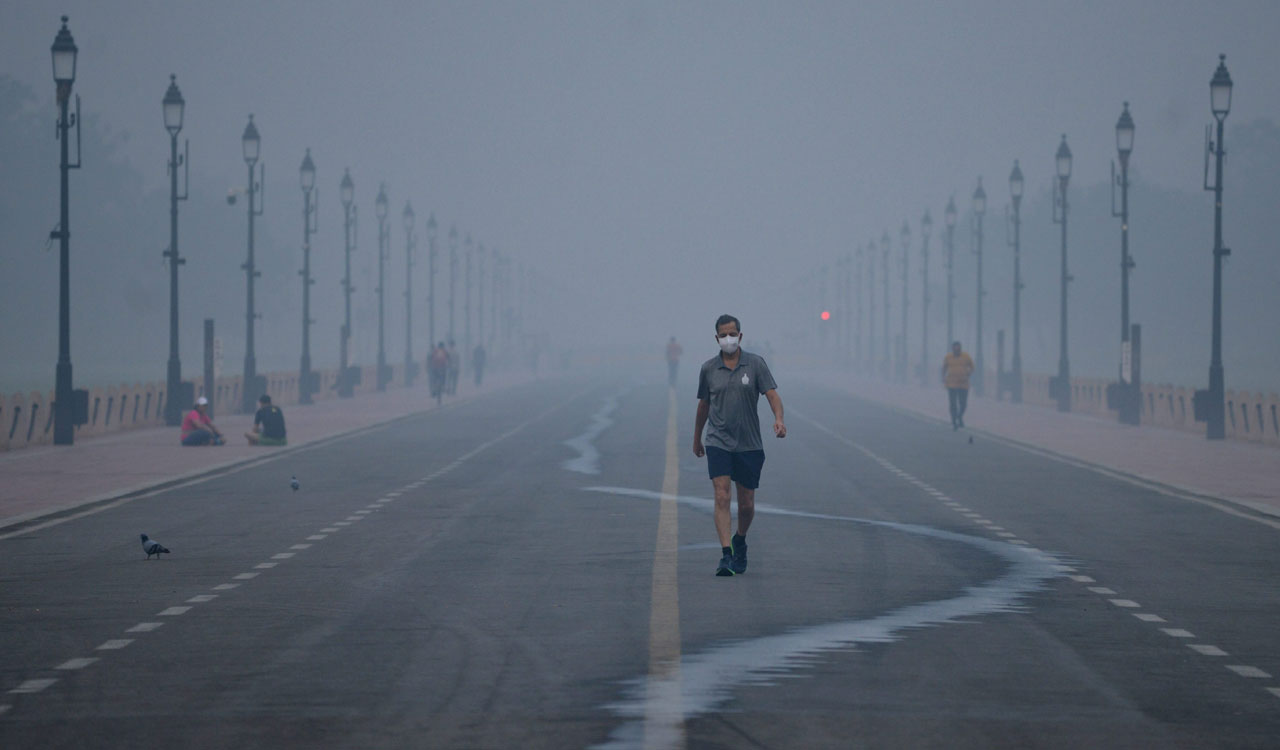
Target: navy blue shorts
[742, 467]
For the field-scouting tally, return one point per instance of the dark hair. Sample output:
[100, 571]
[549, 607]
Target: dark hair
[264, 399]
[726, 319]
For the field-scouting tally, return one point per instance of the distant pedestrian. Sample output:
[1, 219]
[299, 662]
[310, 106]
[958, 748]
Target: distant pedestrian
[438, 371]
[198, 427]
[455, 368]
[268, 424]
[729, 388]
[956, 368]
[477, 363]
[674, 350]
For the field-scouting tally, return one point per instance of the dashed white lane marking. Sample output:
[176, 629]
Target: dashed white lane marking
[1245, 670]
[341, 523]
[1102, 590]
[144, 627]
[283, 555]
[353, 518]
[1177, 633]
[300, 546]
[173, 611]
[34, 686]
[384, 500]
[364, 512]
[225, 586]
[115, 644]
[80, 663]
[1006, 534]
[1082, 579]
[1274, 691]
[397, 494]
[330, 530]
[317, 537]
[1206, 649]
[1127, 603]
[1148, 617]
[246, 576]
[202, 598]
[266, 565]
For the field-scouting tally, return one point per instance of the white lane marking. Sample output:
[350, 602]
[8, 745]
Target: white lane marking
[301, 546]
[115, 644]
[1082, 579]
[144, 627]
[1247, 671]
[1148, 617]
[1101, 590]
[330, 530]
[317, 537]
[173, 612]
[1206, 649]
[34, 686]
[1274, 691]
[246, 576]
[1128, 603]
[354, 518]
[363, 512]
[283, 555]
[225, 586]
[266, 565]
[1006, 534]
[373, 506]
[588, 458]
[341, 523]
[983, 522]
[996, 528]
[385, 500]
[79, 663]
[1177, 633]
[393, 494]
[202, 598]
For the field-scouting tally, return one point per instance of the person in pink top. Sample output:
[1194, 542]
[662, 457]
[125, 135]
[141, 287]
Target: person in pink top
[197, 427]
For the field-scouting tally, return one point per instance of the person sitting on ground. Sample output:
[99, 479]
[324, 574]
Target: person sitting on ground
[198, 428]
[268, 424]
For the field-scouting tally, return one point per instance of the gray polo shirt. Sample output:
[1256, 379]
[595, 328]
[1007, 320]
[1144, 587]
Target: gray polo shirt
[732, 423]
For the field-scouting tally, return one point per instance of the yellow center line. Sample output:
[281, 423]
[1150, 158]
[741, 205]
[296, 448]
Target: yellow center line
[664, 714]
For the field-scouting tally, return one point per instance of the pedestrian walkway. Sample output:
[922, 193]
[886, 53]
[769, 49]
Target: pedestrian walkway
[49, 480]
[1242, 473]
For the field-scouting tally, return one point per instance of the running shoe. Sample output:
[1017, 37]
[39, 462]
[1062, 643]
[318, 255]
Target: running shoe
[739, 555]
[725, 568]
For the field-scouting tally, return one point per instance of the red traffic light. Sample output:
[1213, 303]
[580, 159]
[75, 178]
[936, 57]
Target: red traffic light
[826, 315]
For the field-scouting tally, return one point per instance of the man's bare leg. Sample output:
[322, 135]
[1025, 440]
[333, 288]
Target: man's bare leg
[724, 521]
[746, 509]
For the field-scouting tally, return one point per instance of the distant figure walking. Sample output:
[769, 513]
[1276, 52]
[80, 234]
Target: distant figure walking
[268, 424]
[437, 371]
[956, 368]
[674, 350]
[477, 362]
[198, 428]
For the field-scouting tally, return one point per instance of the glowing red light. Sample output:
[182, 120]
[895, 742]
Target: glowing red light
[826, 315]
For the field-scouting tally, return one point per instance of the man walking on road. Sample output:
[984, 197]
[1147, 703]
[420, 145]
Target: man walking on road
[729, 389]
[956, 368]
[674, 350]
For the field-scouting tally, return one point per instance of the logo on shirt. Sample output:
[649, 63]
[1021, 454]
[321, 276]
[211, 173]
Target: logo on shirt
[745, 379]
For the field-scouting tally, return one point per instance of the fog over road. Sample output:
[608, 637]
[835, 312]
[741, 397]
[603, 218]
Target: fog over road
[519, 571]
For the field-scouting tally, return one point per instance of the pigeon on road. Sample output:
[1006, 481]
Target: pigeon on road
[152, 547]
[293, 482]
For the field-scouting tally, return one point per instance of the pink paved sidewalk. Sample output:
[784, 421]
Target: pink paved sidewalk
[40, 481]
[1243, 473]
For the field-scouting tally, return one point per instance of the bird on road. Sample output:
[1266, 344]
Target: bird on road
[293, 482]
[152, 547]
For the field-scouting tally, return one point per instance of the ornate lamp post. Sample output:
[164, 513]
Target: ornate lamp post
[905, 233]
[1210, 404]
[409, 243]
[479, 296]
[979, 210]
[453, 275]
[949, 218]
[251, 145]
[346, 383]
[1016, 187]
[926, 228]
[858, 353]
[174, 106]
[64, 75]
[307, 180]
[384, 241]
[1061, 386]
[1128, 403]
[431, 282]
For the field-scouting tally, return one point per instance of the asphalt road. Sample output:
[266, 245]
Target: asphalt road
[463, 579]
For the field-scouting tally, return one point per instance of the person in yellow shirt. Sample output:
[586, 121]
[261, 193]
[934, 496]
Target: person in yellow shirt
[956, 368]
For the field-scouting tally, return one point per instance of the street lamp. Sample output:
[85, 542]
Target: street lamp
[65, 414]
[1060, 387]
[926, 228]
[479, 296]
[409, 243]
[979, 210]
[307, 181]
[1127, 399]
[173, 107]
[431, 282]
[453, 274]
[871, 306]
[1210, 404]
[384, 241]
[858, 353]
[885, 246]
[251, 145]
[346, 382]
[905, 233]
[1016, 188]
[466, 305]
[949, 218]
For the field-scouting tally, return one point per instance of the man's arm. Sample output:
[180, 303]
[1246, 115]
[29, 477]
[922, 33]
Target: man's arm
[775, 403]
[699, 422]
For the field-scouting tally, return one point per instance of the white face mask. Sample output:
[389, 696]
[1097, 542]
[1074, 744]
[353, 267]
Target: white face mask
[729, 344]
